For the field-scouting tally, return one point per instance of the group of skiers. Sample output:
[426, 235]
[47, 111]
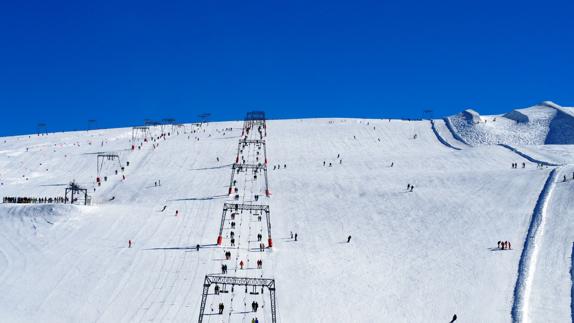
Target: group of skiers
[34, 200]
[410, 187]
[279, 166]
[294, 236]
[504, 245]
[515, 165]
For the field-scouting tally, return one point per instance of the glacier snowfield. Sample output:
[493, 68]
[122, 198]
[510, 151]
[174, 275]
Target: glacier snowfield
[418, 256]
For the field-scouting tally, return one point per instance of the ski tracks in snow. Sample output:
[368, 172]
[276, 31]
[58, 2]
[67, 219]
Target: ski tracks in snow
[529, 255]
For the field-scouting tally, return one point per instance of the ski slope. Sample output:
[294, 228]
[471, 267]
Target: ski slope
[416, 256]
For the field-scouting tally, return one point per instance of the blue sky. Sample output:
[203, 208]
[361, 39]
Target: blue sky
[121, 62]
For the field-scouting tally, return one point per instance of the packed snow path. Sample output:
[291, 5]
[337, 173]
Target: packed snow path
[416, 256]
[530, 252]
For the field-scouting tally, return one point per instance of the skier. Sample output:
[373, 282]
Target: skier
[295, 236]
[408, 186]
[453, 318]
[323, 163]
[217, 159]
[348, 239]
[241, 264]
[197, 247]
[221, 307]
[291, 234]
[176, 212]
[499, 244]
[412, 187]
[392, 164]
[232, 242]
[129, 243]
[216, 290]
[508, 244]
[564, 178]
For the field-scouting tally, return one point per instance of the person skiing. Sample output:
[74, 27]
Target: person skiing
[291, 234]
[176, 212]
[241, 264]
[295, 236]
[197, 247]
[498, 244]
[216, 289]
[221, 307]
[454, 317]
[232, 242]
[348, 239]
[129, 243]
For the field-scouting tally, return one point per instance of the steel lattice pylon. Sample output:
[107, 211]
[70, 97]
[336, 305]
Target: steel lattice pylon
[236, 207]
[238, 281]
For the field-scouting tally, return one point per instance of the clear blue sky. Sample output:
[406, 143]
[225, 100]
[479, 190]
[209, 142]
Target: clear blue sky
[120, 62]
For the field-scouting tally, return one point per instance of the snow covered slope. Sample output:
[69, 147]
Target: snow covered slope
[417, 256]
[545, 123]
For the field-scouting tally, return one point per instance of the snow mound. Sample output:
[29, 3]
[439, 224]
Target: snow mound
[35, 213]
[517, 116]
[470, 116]
[544, 123]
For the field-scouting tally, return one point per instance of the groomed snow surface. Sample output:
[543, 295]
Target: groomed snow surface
[418, 256]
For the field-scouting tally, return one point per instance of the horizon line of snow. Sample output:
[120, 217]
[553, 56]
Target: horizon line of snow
[529, 255]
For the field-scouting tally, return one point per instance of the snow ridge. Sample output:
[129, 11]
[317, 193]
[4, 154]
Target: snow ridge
[440, 138]
[529, 254]
[454, 133]
[534, 160]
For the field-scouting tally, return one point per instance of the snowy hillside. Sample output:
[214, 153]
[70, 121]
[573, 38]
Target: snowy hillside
[414, 256]
[546, 123]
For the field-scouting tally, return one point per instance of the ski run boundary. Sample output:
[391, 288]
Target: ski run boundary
[534, 160]
[529, 254]
[440, 138]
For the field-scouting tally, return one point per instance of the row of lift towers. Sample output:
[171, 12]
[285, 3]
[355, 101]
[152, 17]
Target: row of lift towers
[253, 120]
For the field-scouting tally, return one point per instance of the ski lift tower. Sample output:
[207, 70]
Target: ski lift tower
[254, 119]
[168, 122]
[237, 168]
[258, 142]
[224, 281]
[106, 156]
[252, 209]
[140, 132]
[75, 190]
[42, 128]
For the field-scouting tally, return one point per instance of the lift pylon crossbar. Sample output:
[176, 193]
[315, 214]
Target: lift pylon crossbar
[103, 157]
[239, 281]
[244, 142]
[236, 207]
[255, 167]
